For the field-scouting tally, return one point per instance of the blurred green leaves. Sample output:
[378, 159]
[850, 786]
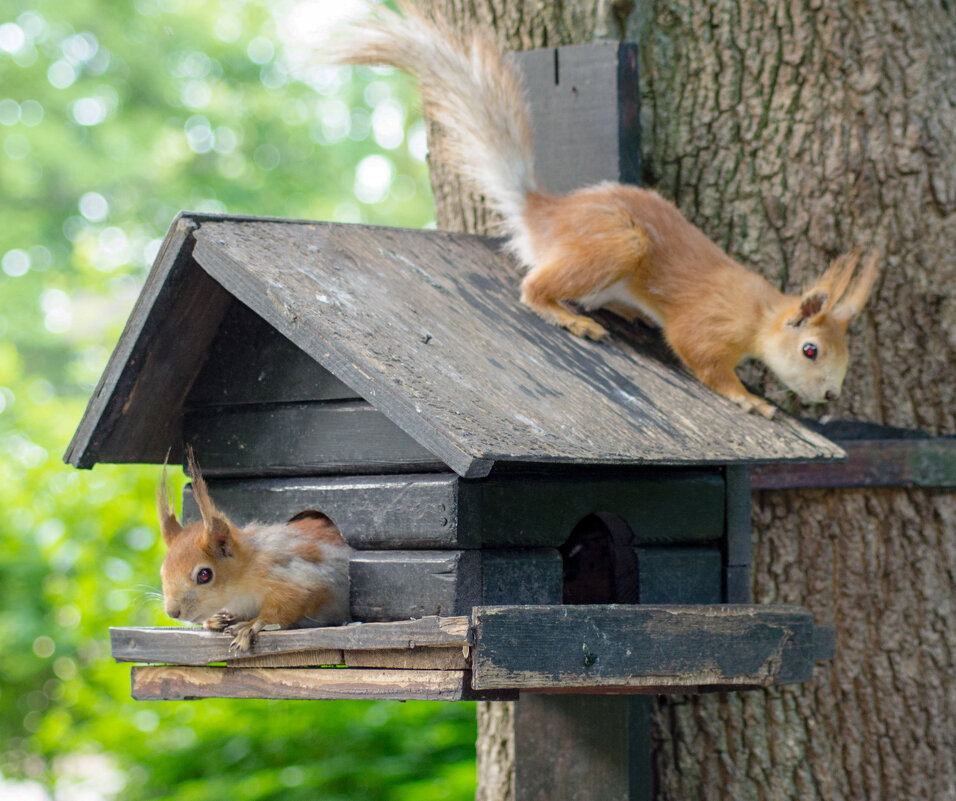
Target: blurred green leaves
[113, 117]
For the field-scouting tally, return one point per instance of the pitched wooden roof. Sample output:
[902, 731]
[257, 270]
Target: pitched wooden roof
[427, 327]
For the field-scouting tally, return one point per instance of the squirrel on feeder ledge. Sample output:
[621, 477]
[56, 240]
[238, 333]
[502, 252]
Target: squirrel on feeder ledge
[612, 245]
[240, 580]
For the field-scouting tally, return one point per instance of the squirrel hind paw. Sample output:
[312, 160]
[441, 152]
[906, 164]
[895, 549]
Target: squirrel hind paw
[554, 313]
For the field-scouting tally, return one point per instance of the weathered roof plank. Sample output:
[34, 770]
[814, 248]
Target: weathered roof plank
[135, 412]
[428, 328]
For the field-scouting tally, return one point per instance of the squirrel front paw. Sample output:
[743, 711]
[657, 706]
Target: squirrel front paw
[756, 405]
[768, 410]
[219, 621]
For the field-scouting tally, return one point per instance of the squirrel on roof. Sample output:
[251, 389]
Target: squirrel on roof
[612, 245]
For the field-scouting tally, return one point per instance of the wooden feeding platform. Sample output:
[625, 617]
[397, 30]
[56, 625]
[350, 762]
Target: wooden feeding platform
[490, 655]
[575, 489]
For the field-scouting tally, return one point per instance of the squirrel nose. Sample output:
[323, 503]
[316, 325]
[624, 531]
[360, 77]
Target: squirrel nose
[172, 611]
[830, 395]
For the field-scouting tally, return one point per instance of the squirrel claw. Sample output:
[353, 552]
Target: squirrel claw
[242, 631]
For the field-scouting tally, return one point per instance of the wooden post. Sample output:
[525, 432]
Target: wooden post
[582, 748]
[586, 747]
[584, 104]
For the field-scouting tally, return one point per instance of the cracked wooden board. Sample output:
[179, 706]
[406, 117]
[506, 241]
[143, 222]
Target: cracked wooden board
[657, 648]
[194, 646]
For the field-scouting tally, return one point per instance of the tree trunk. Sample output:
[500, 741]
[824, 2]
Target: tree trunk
[791, 132]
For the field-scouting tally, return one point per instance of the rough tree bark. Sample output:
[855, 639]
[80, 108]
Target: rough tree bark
[790, 131]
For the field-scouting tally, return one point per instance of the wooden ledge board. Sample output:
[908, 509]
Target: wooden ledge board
[194, 646]
[655, 648]
[177, 683]
[924, 462]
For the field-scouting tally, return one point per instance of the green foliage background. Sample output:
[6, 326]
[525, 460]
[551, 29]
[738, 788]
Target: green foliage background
[114, 116]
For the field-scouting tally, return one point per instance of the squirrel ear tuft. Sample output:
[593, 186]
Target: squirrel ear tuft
[851, 304]
[828, 288]
[217, 530]
[207, 508]
[836, 279]
[169, 526]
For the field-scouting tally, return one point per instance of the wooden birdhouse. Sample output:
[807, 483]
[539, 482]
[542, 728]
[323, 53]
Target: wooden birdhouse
[481, 462]
[530, 512]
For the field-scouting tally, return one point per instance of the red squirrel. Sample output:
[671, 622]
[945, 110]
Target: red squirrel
[240, 580]
[611, 245]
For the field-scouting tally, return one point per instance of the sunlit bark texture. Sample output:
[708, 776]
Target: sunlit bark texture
[791, 132]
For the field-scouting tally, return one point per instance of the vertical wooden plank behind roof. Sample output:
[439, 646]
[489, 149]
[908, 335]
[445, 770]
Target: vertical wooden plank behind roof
[594, 86]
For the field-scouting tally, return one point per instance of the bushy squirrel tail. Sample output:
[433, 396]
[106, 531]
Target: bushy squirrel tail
[475, 96]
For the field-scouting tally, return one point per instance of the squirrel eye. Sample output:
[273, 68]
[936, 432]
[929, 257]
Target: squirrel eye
[204, 576]
[810, 350]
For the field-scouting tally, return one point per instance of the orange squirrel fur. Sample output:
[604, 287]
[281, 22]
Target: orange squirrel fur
[239, 580]
[612, 245]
